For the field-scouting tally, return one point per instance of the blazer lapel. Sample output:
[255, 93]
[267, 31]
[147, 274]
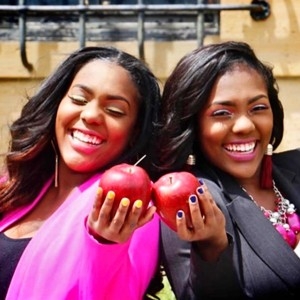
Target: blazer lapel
[260, 234]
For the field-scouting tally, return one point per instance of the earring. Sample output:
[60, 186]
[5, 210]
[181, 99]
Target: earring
[56, 165]
[266, 179]
[190, 162]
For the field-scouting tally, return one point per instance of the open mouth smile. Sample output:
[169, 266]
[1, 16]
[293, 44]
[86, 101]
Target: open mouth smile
[86, 138]
[241, 148]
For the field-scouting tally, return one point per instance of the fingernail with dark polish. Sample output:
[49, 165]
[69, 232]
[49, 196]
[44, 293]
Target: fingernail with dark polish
[200, 190]
[193, 199]
[200, 181]
[180, 214]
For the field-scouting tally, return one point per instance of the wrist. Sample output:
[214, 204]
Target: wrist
[98, 237]
[210, 251]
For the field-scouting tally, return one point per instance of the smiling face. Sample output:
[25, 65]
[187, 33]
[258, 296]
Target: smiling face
[95, 119]
[236, 125]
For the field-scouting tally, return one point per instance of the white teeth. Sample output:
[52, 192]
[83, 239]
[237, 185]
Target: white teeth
[86, 138]
[249, 147]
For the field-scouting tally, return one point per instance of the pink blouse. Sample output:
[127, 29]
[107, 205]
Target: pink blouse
[62, 261]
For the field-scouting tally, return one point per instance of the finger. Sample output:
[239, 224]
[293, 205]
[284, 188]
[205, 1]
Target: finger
[196, 213]
[219, 216]
[134, 215]
[137, 209]
[97, 204]
[147, 216]
[118, 220]
[104, 215]
[206, 203]
[182, 229]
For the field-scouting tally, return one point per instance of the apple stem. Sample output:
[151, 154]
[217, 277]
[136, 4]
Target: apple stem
[140, 160]
[170, 179]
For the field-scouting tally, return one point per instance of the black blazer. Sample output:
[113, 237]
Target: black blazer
[258, 263]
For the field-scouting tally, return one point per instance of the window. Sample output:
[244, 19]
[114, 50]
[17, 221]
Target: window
[109, 25]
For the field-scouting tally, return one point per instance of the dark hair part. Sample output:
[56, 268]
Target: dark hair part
[30, 160]
[187, 91]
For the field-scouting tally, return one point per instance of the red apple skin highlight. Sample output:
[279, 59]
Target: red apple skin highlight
[170, 193]
[127, 181]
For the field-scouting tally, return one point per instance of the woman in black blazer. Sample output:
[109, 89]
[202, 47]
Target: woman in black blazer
[221, 104]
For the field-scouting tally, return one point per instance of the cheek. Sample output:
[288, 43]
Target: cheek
[211, 137]
[212, 133]
[122, 133]
[268, 124]
[64, 117]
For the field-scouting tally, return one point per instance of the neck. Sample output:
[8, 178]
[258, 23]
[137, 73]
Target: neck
[263, 197]
[68, 179]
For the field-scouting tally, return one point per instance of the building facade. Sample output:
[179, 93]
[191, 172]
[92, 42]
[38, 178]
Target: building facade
[160, 37]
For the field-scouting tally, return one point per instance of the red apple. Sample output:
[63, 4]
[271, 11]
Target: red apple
[171, 193]
[128, 181]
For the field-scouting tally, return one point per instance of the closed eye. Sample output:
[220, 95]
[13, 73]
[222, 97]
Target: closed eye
[115, 111]
[80, 100]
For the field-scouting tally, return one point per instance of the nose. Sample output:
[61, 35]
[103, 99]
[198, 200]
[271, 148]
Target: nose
[243, 124]
[92, 113]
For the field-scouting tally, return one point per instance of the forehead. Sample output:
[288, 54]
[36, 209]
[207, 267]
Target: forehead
[241, 79]
[105, 75]
[238, 67]
[100, 68]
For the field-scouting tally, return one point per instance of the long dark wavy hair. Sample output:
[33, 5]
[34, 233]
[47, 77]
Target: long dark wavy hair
[30, 159]
[187, 91]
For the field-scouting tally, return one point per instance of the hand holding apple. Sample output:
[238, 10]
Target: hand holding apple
[129, 181]
[171, 193]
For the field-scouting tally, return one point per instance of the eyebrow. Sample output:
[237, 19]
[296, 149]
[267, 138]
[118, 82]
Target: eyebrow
[230, 103]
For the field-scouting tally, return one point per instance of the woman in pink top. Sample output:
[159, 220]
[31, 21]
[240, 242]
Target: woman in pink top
[56, 241]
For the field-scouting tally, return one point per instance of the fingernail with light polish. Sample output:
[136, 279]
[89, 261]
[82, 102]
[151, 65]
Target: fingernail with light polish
[138, 203]
[125, 202]
[110, 194]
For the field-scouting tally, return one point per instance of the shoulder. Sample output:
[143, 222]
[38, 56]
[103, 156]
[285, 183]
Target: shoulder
[289, 159]
[288, 153]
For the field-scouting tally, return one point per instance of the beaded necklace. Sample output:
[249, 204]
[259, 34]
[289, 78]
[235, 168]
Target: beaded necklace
[284, 218]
